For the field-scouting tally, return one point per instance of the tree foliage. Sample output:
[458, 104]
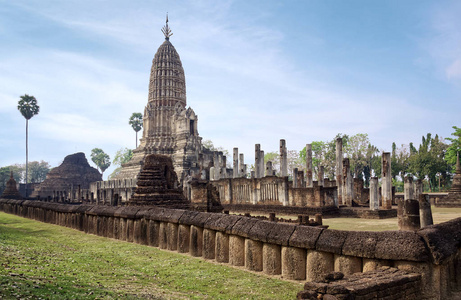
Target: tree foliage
[100, 159]
[428, 161]
[454, 148]
[122, 156]
[28, 107]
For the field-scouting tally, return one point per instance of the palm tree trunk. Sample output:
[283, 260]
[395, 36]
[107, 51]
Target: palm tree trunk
[27, 152]
[136, 139]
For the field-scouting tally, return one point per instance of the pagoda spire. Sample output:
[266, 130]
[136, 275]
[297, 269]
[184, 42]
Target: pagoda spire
[166, 29]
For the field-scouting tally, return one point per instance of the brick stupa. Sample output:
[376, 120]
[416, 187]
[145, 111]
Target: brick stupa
[11, 190]
[73, 172]
[158, 184]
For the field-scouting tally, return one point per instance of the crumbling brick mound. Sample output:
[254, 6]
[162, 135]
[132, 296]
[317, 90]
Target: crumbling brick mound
[11, 191]
[158, 184]
[73, 172]
[384, 283]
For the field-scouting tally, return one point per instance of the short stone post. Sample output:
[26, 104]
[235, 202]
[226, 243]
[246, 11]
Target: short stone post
[408, 215]
[408, 188]
[261, 164]
[295, 177]
[339, 170]
[374, 198]
[386, 188]
[309, 165]
[425, 211]
[212, 172]
[257, 160]
[418, 188]
[269, 168]
[283, 159]
[242, 168]
[236, 163]
[321, 176]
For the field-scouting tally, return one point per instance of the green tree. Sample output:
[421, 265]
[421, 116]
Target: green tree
[428, 161]
[454, 148]
[121, 157]
[101, 159]
[136, 124]
[38, 171]
[28, 107]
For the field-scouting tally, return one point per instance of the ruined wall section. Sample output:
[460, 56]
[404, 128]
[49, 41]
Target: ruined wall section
[296, 252]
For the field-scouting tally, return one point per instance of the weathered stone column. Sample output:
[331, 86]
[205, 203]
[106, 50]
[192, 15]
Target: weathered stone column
[418, 188]
[212, 172]
[242, 169]
[339, 169]
[236, 163]
[269, 169]
[321, 177]
[295, 178]
[309, 165]
[261, 164]
[374, 198]
[408, 215]
[425, 212]
[257, 160]
[386, 188]
[408, 188]
[348, 183]
[283, 159]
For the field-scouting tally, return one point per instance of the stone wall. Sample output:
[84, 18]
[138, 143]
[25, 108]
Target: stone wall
[295, 252]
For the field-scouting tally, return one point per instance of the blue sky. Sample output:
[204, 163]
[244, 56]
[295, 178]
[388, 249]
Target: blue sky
[256, 71]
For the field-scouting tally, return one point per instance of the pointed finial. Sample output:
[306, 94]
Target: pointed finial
[166, 30]
[11, 174]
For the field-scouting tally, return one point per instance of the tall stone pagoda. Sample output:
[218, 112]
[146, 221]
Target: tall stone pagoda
[169, 128]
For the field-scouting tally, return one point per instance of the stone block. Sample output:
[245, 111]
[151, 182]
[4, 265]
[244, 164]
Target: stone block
[253, 255]
[401, 245]
[196, 241]
[153, 233]
[260, 230]
[430, 284]
[243, 226]
[318, 264]
[272, 259]
[222, 247]
[123, 229]
[280, 234]
[293, 263]
[331, 241]
[183, 238]
[360, 243]
[305, 237]
[129, 230]
[369, 264]
[348, 264]
[236, 250]
[163, 235]
[209, 243]
[172, 236]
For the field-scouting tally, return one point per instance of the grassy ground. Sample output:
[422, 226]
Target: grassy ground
[439, 215]
[44, 261]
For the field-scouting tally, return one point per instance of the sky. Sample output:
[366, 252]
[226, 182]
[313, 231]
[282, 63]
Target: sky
[256, 71]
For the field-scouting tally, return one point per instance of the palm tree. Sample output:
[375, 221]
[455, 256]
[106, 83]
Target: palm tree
[28, 108]
[136, 123]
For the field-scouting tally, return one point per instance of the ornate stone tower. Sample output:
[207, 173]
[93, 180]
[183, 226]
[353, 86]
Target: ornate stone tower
[168, 127]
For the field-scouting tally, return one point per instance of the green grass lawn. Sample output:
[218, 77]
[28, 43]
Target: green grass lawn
[44, 261]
